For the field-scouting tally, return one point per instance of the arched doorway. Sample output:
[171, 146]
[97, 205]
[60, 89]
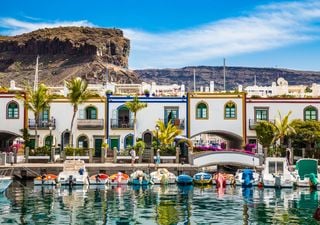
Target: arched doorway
[65, 139]
[147, 138]
[7, 139]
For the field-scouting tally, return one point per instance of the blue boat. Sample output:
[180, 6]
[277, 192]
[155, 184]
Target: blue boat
[202, 178]
[139, 178]
[184, 179]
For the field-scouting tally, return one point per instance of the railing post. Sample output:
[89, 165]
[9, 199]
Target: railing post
[115, 153]
[177, 154]
[152, 155]
[26, 155]
[190, 156]
[90, 155]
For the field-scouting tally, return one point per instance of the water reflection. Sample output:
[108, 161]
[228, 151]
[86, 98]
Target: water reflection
[157, 205]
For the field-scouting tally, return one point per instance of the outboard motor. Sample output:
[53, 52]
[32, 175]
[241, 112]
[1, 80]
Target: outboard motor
[70, 181]
[313, 180]
[220, 180]
[247, 177]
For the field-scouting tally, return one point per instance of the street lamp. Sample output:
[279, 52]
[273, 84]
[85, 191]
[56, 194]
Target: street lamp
[51, 139]
[157, 129]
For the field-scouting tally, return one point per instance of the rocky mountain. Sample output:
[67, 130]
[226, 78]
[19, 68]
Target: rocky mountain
[234, 76]
[66, 52]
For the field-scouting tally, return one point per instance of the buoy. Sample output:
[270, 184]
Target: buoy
[260, 185]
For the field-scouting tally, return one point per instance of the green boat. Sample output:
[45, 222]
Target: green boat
[306, 173]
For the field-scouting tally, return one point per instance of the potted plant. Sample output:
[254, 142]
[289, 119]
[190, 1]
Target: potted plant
[139, 147]
[146, 92]
[108, 92]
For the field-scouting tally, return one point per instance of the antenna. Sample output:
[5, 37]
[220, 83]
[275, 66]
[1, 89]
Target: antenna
[36, 75]
[224, 74]
[194, 80]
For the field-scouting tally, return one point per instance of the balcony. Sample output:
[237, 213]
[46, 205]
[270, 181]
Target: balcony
[90, 124]
[42, 124]
[121, 124]
[253, 123]
[179, 123]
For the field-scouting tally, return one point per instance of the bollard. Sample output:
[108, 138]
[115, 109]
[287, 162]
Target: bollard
[177, 154]
[3, 158]
[53, 152]
[91, 155]
[115, 152]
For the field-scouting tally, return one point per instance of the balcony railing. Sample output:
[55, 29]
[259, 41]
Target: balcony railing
[253, 123]
[179, 123]
[90, 124]
[121, 124]
[42, 124]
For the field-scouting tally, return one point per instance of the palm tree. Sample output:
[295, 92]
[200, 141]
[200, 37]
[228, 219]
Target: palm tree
[37, 101]
[283, 128]
[135, 106]
[166, 134]
[78, 93]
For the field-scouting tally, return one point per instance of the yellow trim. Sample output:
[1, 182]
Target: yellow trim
[200, 118]
[236, 110]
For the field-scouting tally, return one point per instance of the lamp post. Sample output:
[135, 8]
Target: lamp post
[157, 129]
[51, 139]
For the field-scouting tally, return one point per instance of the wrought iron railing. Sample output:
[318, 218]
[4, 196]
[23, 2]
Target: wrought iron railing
[121, 124]
[42, 124]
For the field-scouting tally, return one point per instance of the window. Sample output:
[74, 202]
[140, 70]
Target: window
[171, 113]
[128, 141]
[202, 111]
[91, 113]
[230, 110]
[83, 142]
[261, 114]
[12, 110]
[45, 115]
[310, 113]
[48, 141]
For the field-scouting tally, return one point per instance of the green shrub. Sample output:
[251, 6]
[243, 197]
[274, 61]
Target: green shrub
[41, 151]
[78, 151]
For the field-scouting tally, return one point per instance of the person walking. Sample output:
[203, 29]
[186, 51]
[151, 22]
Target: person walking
[133, 156]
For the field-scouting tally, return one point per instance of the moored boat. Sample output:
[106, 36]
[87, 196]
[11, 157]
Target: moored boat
[45, 179]
[119, 179]
[276, 173]
[162, 176]
[306, 173]
[139, 178]
[202, 178]
[99, 179]
[5, 182]
[247, 177]
[184, 179]
[74, 173]
[228, 178]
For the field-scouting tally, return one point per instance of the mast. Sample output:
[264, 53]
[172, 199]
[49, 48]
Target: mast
[36, 75]
[194, 80]
[224, 74]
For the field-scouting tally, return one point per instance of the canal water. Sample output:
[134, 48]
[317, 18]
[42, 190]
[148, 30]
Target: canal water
[26, 204]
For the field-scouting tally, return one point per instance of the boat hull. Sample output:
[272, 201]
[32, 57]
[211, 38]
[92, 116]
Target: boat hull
[5, 183]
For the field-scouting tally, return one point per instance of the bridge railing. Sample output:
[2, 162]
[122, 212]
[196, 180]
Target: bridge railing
[225, 150]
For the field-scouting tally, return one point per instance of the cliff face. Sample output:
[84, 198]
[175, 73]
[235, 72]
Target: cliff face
[234, 76]
[65, 52]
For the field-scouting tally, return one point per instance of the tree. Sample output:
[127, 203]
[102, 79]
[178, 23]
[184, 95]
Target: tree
[283, 128]
[135, 106]
[265, 135]
[307, 133]
[166, 133]
[78, 93]
[36, 101]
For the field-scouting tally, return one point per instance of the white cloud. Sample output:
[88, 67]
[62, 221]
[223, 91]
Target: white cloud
[269, 26]
[13, 26]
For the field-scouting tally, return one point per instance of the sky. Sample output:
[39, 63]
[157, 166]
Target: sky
[178, 33]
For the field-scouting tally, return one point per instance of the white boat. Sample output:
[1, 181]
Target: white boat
[276, 173]
[74, 173]
[241, 181]
[5, 182]
[162, 176]
[306, 173]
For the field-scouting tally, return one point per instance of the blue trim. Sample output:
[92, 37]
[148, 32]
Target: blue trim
[107, 121]
[181, 101]
[187, 118]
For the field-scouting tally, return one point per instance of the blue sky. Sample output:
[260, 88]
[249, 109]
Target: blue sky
[171, 34]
